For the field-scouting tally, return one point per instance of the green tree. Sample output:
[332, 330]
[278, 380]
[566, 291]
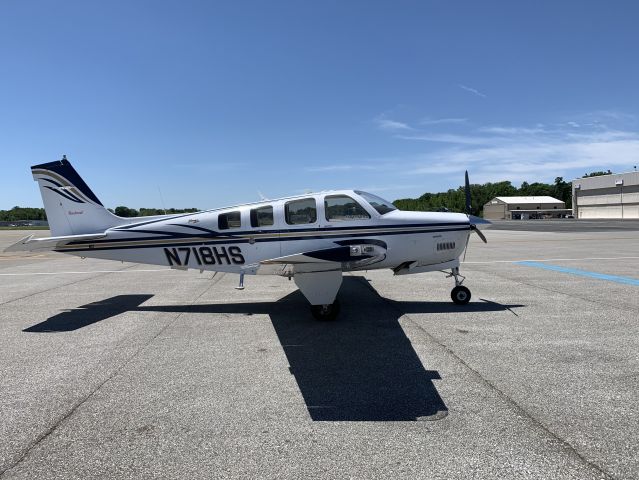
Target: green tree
[455, 199]
[22, 213]
[122, 211]
[596, 174]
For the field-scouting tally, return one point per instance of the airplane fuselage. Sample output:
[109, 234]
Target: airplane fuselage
[237, 239]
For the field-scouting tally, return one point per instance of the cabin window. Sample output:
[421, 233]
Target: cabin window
[262, 216]
[299, 212]
[228, 220]
[382, 206]
[342, 208]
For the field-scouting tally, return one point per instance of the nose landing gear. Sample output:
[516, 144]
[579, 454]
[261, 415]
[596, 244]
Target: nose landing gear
[460, 294]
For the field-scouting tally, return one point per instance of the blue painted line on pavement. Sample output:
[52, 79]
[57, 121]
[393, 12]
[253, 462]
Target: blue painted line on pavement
[582, 273]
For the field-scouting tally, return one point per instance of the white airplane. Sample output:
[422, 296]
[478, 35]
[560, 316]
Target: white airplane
[312, 238]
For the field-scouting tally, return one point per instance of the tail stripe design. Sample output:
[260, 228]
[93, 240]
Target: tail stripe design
[68, 196]
[65, 185]
[52, 181]
[65, 174]
[67, 190]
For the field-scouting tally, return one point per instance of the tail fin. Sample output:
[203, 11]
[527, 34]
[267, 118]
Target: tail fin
[71, 207]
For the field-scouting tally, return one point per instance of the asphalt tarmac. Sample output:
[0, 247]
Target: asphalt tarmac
[567, 225]
[111, 370]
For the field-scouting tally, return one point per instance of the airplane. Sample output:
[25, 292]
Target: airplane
[311, 238]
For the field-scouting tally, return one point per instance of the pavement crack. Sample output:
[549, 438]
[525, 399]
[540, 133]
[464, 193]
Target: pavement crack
[44, 435]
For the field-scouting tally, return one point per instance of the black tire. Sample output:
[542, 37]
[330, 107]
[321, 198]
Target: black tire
[325, 313]
[460, 295]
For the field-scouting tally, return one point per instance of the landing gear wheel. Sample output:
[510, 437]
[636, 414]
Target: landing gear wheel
[325, 312]
[460, 295]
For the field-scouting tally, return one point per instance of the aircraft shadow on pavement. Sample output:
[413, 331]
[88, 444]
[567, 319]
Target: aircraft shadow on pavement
[361, 367]
[449, 307]
[88, 314]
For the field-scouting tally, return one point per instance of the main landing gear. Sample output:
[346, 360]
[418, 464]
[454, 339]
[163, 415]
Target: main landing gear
[326, 312]
[460, 294]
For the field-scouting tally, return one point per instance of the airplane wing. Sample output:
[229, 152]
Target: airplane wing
[30, 244]
[328, 259]
[318, 273]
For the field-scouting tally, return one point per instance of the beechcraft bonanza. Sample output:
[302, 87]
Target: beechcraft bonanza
[311, 238]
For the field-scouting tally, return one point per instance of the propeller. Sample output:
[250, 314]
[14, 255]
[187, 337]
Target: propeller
[473, 220]
[467, 211]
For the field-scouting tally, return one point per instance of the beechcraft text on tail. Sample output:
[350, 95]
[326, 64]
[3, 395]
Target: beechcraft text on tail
[311, 238]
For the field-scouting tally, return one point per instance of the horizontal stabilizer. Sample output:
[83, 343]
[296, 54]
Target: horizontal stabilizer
[30, 244]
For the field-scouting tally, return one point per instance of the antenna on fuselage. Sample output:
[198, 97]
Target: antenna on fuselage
[162, 200]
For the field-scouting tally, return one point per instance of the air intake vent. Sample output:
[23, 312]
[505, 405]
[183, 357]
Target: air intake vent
[445, 246]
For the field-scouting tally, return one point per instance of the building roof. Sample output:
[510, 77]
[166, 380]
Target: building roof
[607, 181]
[539, 199]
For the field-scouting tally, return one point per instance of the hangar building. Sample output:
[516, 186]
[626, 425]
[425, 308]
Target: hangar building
[523, 208]
[606, 196]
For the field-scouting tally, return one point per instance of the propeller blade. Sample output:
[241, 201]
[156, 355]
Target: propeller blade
[467, 192]
[478, 232]
[466, 248]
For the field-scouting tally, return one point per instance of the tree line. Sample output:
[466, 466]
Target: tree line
[454, 200]
[22, 213]
[148, 212]
[26, 213]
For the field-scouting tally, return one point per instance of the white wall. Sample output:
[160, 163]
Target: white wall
[610, 211]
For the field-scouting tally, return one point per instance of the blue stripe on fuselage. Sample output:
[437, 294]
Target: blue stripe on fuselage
[174, 243]
[233, 234]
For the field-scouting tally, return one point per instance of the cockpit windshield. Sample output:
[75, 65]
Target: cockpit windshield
[382, 206]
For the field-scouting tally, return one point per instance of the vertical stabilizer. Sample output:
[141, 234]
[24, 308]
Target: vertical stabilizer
[72, 208]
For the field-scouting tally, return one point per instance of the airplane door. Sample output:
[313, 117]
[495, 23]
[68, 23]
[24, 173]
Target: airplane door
[300, 226]
[263, 234]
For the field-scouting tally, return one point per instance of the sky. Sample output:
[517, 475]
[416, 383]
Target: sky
[206, 104]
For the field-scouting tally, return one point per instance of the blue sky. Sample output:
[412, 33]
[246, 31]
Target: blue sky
[211, 102]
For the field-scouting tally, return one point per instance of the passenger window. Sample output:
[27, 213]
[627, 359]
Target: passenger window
[262, 216]
[299, 212]
[228, 220]
[342, 208]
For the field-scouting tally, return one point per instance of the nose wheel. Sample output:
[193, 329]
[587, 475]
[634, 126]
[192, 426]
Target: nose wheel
[460, 294]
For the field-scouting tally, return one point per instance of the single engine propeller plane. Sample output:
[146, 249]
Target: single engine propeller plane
[312, 238]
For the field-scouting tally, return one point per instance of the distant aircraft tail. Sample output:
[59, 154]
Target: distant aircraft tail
[71, 207]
